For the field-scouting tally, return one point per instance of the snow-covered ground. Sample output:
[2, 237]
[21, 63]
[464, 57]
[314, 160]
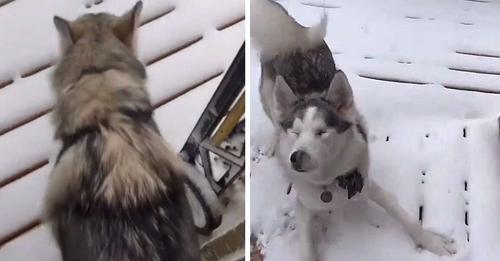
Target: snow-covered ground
[426, 75]
[187, 45]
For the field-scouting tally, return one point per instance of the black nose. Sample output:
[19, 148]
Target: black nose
[299, 159]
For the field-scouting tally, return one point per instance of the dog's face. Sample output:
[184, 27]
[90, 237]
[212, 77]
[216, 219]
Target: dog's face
[101, 28]
[316, 128]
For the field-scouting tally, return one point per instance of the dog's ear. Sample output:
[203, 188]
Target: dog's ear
[126, 25]
[340, 92]
[66, 35]
[283, 95]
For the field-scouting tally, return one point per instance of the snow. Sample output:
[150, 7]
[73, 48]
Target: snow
[184, 79]
[234, 213]
[156, 38]
[36, 245]
[18, 210]
[163, 114]
[424, 125]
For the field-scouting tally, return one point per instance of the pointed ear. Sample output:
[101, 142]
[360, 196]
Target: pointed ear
[125, 27]
[283, 95]
[65, 34]
[340, 92]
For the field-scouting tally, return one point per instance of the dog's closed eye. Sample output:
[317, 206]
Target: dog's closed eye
[294, 132]
[320, 132]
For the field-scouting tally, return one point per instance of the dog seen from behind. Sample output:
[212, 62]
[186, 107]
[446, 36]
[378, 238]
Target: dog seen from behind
[116, 192]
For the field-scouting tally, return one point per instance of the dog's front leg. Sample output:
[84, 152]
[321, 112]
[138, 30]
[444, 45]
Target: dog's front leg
[436, 243]
[307, 247]
[270, 147]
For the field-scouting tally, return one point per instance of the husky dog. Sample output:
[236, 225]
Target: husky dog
[116, 192]
[321, 138]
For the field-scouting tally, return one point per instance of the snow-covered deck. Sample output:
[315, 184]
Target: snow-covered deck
[426, 75]
[187, 46]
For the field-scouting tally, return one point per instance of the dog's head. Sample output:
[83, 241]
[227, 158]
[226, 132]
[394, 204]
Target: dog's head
[102, 28]
[317, 127]
[94, 43]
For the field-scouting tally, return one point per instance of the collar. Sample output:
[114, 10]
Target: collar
[93, 70]
[352, 181]
[138, 115]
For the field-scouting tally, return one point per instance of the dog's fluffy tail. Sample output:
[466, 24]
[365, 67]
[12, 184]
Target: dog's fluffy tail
[202, 192]
[276, 33]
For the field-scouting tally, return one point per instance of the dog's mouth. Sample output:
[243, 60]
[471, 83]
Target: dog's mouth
[301, 170]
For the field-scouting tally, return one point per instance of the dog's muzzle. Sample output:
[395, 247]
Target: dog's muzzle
[300, 160]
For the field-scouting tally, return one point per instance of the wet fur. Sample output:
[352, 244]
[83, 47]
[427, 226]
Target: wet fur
[116, 192]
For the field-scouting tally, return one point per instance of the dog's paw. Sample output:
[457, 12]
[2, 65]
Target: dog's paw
[256, 155]
[436, 243]
[269, 150]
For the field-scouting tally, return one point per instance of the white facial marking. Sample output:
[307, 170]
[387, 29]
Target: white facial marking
[304, 132]
[312, 124]
[296, 127]
[310, 115]
[301, 125]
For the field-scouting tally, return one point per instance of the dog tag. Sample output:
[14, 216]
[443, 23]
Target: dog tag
[326, 196]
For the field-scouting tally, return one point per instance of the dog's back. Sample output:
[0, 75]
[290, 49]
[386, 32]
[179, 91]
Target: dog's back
[116, 191]
[299, 54]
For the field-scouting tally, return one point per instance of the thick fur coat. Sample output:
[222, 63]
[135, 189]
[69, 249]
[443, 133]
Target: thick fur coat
[116, 192]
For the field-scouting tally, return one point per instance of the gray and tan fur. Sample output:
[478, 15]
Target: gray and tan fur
[116, 192]
[320, 137]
